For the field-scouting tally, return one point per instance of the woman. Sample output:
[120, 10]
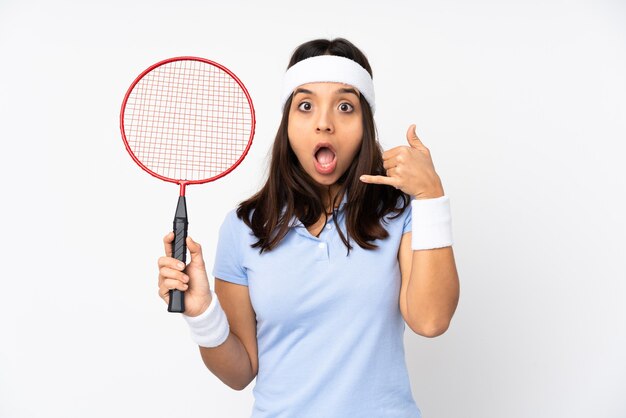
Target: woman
[319, 271]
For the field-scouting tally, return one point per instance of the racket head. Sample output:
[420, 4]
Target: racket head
[187, 120]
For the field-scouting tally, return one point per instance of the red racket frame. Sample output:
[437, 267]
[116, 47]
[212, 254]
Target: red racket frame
[184, 183]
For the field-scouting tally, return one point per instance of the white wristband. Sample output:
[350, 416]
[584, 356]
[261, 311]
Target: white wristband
[432, 223]
[210, 328]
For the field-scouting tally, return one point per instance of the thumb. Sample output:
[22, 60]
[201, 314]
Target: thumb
[195, 250]
[412, 138]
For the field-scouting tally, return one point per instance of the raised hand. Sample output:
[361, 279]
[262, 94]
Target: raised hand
[410, 169]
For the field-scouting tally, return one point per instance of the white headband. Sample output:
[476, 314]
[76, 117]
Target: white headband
[328, 68]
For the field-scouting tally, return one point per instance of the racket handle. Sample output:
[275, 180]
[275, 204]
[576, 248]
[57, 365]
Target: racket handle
[179, 252]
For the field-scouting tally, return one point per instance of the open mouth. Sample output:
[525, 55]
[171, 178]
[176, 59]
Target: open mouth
[325, 158]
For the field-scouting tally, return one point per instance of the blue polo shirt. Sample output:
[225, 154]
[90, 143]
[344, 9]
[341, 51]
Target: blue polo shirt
[329, 327]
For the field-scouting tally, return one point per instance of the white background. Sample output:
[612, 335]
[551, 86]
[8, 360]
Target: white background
[521, 103]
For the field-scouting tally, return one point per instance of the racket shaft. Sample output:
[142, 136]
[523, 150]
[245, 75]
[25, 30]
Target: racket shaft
[179, 252]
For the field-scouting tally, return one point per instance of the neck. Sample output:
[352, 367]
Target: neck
[328, 197]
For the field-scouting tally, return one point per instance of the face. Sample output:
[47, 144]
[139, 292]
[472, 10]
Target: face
[325, 129]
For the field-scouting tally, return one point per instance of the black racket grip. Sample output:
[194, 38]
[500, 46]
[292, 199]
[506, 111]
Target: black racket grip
[179, 252]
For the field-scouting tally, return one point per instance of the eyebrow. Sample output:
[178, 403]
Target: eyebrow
[339, 91]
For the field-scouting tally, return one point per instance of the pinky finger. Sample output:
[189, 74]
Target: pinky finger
[388, 181]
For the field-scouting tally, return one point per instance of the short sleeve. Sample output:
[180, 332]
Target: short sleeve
[228, 256]
[408, 220]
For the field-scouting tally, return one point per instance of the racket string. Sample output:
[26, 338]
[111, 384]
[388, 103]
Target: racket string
[188, 120]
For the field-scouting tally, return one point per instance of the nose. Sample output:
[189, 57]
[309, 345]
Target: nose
[325, 122]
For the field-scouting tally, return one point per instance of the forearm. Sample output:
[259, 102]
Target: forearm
[230, 362]
[433, 291]
[222, 351]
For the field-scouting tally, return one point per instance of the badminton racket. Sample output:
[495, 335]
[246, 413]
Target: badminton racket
[186, 120]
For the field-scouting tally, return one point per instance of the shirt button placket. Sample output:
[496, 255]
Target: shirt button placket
[323, 250]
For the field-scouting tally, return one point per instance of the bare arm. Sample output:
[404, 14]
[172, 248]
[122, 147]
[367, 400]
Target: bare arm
[234, 362]
[430, 283]
[430, 288]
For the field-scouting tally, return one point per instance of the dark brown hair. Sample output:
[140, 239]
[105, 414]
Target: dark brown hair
[289, 191]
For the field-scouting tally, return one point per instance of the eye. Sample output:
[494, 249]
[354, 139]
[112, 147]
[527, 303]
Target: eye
[346, 107]
[304, 106]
